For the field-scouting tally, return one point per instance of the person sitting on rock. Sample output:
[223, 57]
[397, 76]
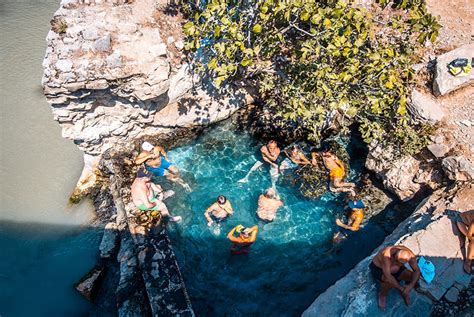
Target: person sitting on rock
[157, 162]
[466, 227]
[295, 158]
[355, 219]
[244, 239]
[268, 205]
[219, 210]
[336, 171]
[388, 267]
[148, 196]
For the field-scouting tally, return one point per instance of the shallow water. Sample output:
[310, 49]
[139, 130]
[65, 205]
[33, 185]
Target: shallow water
[44, 245]
[292, 260]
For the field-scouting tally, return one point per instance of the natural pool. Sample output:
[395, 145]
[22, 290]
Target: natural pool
[293, 259]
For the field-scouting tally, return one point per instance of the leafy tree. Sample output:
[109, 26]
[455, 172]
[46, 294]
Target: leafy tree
[313, 59]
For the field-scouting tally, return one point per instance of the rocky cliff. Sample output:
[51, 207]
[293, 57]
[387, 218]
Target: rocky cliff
[113, 72]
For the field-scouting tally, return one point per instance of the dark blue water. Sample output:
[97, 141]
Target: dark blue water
[293, 259]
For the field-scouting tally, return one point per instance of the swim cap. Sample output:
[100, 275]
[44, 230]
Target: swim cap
[356, 204]
[147, 146]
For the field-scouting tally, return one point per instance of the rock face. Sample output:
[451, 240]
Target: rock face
[444, 82]
[431, 225]
[110, 77]
[458, 168]
[424, 108]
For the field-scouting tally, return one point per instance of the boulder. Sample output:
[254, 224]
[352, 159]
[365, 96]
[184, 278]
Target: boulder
[424, 108]
[458, 168]
[452, 295]
[444, 82]
[89, 284]
[438, 150]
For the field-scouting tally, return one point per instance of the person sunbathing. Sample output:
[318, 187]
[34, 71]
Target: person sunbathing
[295, 157]
[158, 163]
[268, 205]
[146, 195]
[336, 171]
[388, 267]
[218, 211]
[466, 227]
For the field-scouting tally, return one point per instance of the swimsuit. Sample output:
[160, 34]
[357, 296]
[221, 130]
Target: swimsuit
[142, 207]
[337, 172]
[160, 170]
[377, 272]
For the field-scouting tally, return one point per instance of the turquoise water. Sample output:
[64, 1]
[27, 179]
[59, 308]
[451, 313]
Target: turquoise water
[293, 259]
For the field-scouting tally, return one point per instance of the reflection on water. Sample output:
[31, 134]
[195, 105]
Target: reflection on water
[40, 261]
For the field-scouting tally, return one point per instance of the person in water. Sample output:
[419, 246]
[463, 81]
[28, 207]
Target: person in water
[244, 239]
[219, 210]
[388, 267]
[148, 196]
[268, 205]
[355, 219]
[465, 225]
[295, 157]
[157, 162]
[336, 171]
[270, 153]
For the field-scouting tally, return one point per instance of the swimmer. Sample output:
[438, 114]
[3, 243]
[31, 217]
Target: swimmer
[268, 205]
[157, 162]
[246, 237]
[146, 195]
[270, 153]
[355, 219]
[336, 171]
[297, 156]
[219, 210]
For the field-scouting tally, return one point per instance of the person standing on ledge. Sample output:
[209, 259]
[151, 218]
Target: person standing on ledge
[388, 267]
[246, 237]
[336, 171]
[157, 162]
[219, 210]
[146, 195]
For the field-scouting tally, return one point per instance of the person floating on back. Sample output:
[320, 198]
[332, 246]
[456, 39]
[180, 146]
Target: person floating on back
[336, 171]
[355, 219]
[388, 267]
[157, 162]
[146, 195]
[270, 153]
[268, 205]
[242, 238]
[466, 227]
[218, 211]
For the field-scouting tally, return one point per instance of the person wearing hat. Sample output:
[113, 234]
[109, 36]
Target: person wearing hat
[388, 267]
[158, 163]
[242, 238]
[146, 195]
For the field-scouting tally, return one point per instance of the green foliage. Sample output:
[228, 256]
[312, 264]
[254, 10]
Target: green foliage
[312, 58]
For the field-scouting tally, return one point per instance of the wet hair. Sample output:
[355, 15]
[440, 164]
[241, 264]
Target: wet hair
[143, 173]
[272, 142]
[221, 197]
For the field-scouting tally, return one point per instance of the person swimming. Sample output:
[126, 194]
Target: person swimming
[355, 219]
[268, 205]
[219, 210]
[336, 171]
[148, 196]
[244, 239]
[270, 153]
[156, 161]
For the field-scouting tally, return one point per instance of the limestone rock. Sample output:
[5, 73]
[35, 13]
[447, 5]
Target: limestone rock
[102, 44]
[452, 295]
[438, 150]
[89, 284]
[444, 82]
[425, 108]
[458, 168]
[109, 242]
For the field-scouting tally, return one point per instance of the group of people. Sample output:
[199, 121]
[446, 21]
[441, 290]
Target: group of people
[389, 266]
